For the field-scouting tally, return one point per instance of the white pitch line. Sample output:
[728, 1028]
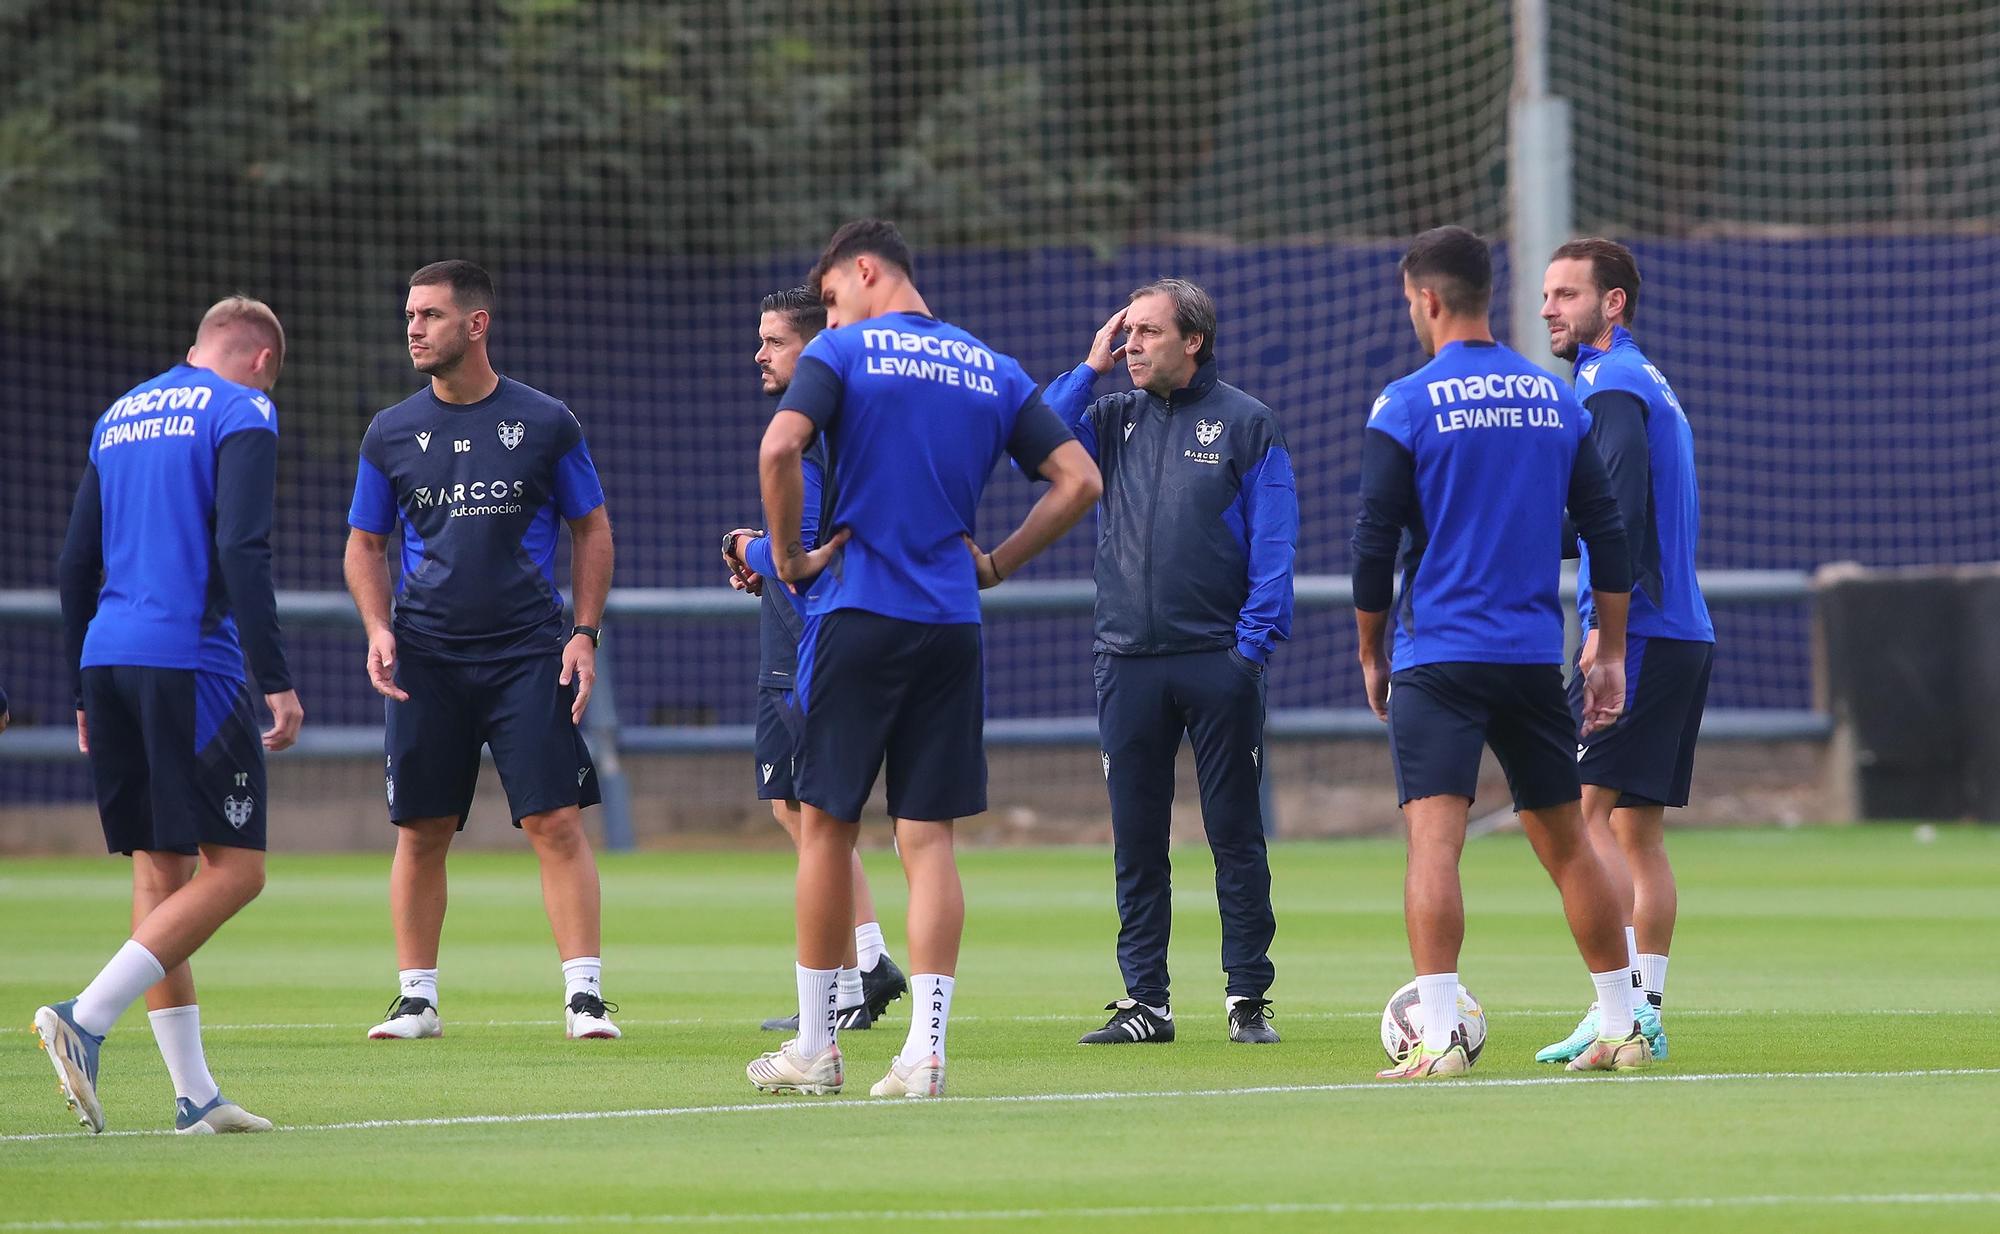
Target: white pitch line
[1330, 1208]
[774, 1106]
[1080, 1020]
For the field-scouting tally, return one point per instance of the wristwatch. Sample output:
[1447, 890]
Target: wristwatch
[592, 633]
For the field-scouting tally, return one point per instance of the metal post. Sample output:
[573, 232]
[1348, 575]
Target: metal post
[600, 726]
[1539, 179]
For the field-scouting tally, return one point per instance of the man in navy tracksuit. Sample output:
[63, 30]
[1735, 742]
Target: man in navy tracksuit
[1199, 523]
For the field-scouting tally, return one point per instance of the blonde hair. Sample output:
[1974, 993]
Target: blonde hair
[252, 321]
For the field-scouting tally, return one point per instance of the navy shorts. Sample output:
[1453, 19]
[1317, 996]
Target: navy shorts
[1441, 714]
[518, 707]
[176, 758]
[1648, 755]
[906, 692]
[777, 744]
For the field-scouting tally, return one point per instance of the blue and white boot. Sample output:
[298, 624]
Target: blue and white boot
[73, 1052]
[219, 1117]
[1656, 1032]
[1574, 1044]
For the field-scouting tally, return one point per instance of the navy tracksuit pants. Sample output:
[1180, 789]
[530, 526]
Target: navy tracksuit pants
[1144, 706]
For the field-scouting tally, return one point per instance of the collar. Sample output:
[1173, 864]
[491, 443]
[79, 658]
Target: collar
[1196, 389]
[1620, 337]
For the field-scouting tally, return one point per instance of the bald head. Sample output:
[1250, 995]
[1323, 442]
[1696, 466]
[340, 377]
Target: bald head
[241, 339]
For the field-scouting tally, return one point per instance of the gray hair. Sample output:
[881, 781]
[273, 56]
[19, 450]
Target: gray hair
[1194, 311]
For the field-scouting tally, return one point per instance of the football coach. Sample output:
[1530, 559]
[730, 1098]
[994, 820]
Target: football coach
[1198, 526]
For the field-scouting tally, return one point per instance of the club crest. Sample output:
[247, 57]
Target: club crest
[512, 435]
[238, 810]
[1206, 431]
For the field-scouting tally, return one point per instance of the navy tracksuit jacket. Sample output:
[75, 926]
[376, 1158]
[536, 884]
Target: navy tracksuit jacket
[1196, 534]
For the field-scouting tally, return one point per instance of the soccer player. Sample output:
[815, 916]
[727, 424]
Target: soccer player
[915, 412]
[1195, 472]
[1643, 764]
[1474, 456]
[165, 579]
[478, 469]
[869, 979]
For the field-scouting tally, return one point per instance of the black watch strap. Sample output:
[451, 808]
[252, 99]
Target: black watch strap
[592, 633]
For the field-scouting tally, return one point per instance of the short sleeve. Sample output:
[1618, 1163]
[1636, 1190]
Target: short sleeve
[578, 490]
[1388, 417]
[373, 509]
[817, 382]
[246, 410]
[1038, 430]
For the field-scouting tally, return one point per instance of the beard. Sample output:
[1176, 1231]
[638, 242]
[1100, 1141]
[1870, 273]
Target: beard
[1577, 333]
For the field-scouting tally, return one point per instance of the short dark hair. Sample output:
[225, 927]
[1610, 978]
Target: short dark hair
[1611, 265]
[874, 237]
[800, 306]
[1194, 311]
[1454, 263]
[471, 287]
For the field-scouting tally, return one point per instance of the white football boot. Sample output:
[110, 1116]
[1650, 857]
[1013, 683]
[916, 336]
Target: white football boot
[783, 1070]
[923, 1078]
[409, 1019]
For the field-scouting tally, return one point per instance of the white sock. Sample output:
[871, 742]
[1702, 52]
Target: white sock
[848, 987]
[819, 1006]
[868, 944]
[1614, 990]
[1653, 975]
[582, 976]
[178, 1032]
[1437, 994]
[1632, 956]
[130, 974]
[419, 983]
[930, 1019]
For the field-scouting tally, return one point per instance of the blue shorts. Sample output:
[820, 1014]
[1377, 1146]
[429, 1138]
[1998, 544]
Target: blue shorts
[909, 693]
[1648, 755]
[176, 759]
[518, 707]
[777, 744]
[1440, 715]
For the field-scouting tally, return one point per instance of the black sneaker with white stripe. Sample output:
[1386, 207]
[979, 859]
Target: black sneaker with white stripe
[882, 985]
[1250, 1022]
[848, 1019]
[1131, 1022]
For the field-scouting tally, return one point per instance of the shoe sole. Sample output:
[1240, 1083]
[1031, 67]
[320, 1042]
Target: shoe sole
[803, 1090]
[594, 1036]
[375, 1034]
[207, 1128]
[48, 1030]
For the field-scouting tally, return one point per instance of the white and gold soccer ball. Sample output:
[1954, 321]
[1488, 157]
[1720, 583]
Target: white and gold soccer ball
[1403, 1023]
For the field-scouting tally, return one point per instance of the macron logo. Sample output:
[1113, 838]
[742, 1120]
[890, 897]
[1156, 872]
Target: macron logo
[424, 442]
[1589, 373]
[1476, 386]
[768, 768]
[262, 404]
[1375, 412]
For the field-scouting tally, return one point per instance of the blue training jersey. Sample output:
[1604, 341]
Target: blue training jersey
[915, 412]
[164, 603]
[1666, 595]
[1493, 440]
[477, 489]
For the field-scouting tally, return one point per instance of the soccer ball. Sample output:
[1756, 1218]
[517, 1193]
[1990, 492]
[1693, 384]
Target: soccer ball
[1403, 1023]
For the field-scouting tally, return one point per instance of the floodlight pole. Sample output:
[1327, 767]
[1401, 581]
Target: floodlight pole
[1540, 190]
[1539, 179]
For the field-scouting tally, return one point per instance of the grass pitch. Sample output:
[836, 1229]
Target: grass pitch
[1831, 1012]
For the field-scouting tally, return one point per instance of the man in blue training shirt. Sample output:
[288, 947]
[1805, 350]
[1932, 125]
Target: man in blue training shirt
[1194, 590]
[1633, 770]
[869, 979]
[478, 470]
[165, 580]
[1474, 456]
[915, 413]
